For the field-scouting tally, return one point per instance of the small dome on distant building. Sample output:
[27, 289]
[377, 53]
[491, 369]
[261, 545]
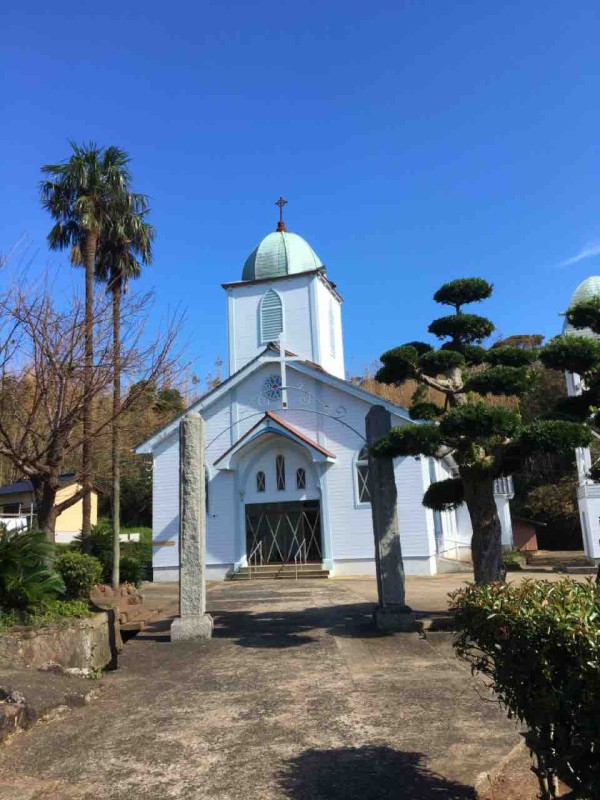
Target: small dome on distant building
[587, 289]
[280, 253]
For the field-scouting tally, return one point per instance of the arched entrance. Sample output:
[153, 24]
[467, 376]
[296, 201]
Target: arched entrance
[282, 503]
[281, 533]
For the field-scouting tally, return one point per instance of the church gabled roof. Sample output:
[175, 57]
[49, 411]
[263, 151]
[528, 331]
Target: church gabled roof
[271, 423]
[269, 355]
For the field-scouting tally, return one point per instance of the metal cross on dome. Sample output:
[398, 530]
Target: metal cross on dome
[281, 203]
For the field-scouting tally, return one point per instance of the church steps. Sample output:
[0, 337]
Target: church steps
[281, 572]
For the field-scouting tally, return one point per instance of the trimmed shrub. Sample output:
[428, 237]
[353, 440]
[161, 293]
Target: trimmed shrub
[538, 643]
[80, 573]
[131, 570]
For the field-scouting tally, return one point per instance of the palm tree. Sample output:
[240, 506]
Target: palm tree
[80, 194]
[125, 245]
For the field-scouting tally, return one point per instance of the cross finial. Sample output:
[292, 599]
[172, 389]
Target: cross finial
[281, 224]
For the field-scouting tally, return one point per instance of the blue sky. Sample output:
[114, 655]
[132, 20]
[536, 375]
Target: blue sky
[416, 142]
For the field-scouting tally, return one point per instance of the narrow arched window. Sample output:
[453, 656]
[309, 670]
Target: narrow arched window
[361, 466]
[280, 473]
[300, 479]
[261, 483]
[271, 317]
[331, 330]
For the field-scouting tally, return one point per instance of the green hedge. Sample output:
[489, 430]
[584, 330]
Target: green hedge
[80, 573]
[538, 643]
[101, 544]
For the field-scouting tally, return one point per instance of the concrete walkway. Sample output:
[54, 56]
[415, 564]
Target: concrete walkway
[295, 697]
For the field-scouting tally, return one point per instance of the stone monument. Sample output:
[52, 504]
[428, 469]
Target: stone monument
[193, 622]
[392, 613]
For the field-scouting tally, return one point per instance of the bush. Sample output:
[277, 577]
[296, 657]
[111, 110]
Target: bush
[80, 573]
[101, 543]
[513, 560]
[539, 644]
[131, 570]
[27, 577]
[51, 612]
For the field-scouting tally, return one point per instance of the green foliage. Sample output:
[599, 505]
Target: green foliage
[169, 401]
[585, 314]
[555, 436]
[478, 421]
[399, 364]
[538, 643]
[101, 543]
[511, 356]
[462, 291]
[425, 410]
[420, 347]
[50, 612]
[131, 570]
[444, 495]
[525, 341]
[488, 438]
[462, 328]
[27, 578]
[81, 193]
[473, 354]
[80, 573]
[513, 560]
[573, 353]
[410, 440]
[436, 362]
[500, 381]
[136, 499]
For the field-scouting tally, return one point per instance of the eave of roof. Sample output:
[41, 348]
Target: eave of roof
[320, 271]
[269, 415]
[26, 486]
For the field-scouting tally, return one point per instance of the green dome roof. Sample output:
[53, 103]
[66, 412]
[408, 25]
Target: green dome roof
[587, 289]
[280, 253]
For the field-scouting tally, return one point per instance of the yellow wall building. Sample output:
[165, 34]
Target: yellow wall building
[16, 501]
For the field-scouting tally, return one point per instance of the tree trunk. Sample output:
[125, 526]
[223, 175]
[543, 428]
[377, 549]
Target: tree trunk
[89, 254]
[486, 544]
[45, 488]
[116, 432]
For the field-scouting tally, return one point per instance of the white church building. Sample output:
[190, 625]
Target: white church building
[286, 468]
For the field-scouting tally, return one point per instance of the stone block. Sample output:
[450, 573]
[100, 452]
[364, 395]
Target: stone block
[193, 626]
[394, 618]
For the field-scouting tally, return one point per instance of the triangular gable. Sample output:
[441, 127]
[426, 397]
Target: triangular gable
[270, 355]
[272, 424]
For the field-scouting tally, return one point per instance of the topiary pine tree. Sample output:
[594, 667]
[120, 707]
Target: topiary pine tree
[579, 354]
[486, 440]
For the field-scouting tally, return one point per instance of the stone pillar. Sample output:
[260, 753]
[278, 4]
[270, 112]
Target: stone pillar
[392, 613]
[193, 622]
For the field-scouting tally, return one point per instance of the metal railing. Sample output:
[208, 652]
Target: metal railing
[301, 550]
[257, 555]
[450, 548]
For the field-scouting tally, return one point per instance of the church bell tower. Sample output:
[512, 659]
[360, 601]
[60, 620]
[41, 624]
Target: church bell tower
[285, 297]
